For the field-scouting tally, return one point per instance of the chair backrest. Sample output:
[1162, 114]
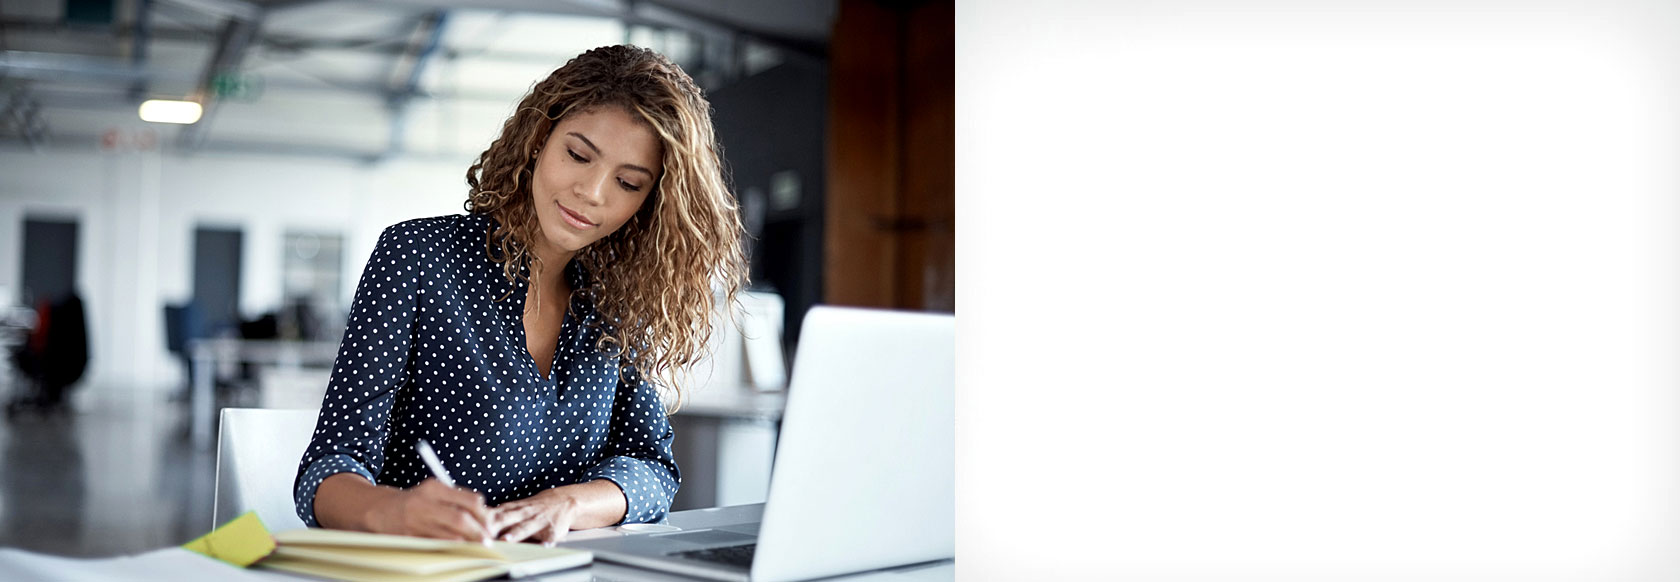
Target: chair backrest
[256, 462]
[180, 326]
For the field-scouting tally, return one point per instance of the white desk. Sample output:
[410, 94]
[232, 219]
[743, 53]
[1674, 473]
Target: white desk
[738, 403]
[176, 564]
[207, 353]
[726, 442]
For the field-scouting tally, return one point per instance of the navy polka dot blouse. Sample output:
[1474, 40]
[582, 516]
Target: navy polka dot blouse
[429, 352]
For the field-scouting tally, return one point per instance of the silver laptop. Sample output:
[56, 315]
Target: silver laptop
[864, 472]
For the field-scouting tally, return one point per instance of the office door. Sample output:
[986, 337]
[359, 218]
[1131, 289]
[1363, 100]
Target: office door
[49, 259]
[216, 264]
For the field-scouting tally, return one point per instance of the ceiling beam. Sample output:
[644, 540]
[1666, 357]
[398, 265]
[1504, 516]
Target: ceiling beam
[653, 13]
[142, 41]
[600, 8]
[61, 67]
[231, 46]
[284, 5]
[229, 9]
[269, 41]
[83, 142]
[109, 77]
[422, 47]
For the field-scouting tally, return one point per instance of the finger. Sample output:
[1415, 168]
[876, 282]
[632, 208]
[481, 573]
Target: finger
[509, 507]
[514, 516]
[501, 516]
[436, 524]
[467, 526]
[555, 532]
[448, 500]
[466, 500]
[478, 512]
[443, 528]
[555, 527]
[525, 529]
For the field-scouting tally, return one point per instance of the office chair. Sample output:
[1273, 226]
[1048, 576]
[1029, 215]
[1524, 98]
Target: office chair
[256, 461]
[53, 360]
[181, 326]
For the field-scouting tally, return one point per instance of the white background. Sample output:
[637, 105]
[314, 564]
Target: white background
[1318, 290]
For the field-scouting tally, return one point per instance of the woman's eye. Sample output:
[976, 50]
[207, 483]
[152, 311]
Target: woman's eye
[629, 187]
[576, 157]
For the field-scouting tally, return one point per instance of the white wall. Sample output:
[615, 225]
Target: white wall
[137, 212]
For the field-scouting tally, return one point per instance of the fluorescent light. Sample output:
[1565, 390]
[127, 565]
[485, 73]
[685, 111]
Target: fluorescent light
[168, 111]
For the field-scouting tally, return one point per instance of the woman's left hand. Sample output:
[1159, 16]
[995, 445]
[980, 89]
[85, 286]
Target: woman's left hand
[544, 517]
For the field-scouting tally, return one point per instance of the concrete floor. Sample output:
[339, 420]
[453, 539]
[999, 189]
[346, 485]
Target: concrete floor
[117, 476]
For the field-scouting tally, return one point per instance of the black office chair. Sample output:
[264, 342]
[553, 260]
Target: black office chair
[53, 360]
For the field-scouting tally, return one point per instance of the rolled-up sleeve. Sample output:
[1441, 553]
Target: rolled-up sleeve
[350, 432]
[637, 456]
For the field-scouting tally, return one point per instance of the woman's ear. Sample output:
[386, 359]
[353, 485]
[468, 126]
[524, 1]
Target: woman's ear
[544, 132]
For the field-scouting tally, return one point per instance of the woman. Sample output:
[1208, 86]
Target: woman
[524, 339]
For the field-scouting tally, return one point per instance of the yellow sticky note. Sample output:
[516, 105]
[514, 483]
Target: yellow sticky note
[240, 542]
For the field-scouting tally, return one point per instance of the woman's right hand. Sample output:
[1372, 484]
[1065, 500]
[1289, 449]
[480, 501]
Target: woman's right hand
[433, 510]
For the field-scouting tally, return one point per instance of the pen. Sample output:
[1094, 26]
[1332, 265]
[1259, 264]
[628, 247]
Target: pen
[430, 457]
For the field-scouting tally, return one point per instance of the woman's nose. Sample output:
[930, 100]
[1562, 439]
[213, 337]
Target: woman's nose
[593, 188]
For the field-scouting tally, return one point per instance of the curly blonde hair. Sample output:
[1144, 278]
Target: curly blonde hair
[652, 280]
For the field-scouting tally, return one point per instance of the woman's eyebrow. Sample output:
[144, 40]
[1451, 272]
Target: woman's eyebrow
[598, 152]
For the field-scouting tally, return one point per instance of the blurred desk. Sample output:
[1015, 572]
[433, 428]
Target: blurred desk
[207, 354]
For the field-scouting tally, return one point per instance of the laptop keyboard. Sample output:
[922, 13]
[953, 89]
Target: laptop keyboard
[741, 555]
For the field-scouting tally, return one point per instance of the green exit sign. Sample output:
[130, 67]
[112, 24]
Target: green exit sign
[236, 86]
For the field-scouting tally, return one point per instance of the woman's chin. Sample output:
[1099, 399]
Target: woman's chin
[562, 240]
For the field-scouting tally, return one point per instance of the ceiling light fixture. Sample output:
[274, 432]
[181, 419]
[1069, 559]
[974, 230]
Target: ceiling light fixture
[170, 111]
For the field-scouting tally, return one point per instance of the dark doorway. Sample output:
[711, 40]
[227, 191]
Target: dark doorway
[49, 259]
[216, 267]
[772, 127]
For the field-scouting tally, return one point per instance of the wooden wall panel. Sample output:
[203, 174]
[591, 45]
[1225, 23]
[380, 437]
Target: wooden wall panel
[891, 188]
[926, 201]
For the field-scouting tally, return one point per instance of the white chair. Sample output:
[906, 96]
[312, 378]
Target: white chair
[257, 460]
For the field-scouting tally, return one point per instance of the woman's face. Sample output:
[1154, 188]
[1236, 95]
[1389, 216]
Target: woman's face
[592, 175]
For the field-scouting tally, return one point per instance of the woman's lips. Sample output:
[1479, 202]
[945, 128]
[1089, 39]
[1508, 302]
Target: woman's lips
[573, 218]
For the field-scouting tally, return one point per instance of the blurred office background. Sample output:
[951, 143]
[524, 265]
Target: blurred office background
[137, 258]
